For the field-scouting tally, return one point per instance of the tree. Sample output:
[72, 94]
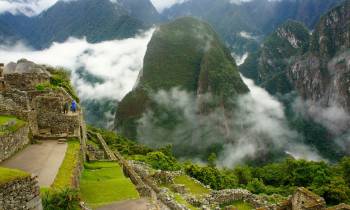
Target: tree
[212, 160]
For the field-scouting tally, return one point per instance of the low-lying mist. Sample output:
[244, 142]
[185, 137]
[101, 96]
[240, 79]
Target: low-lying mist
[258, 128]
[103, 70]
[102, 73]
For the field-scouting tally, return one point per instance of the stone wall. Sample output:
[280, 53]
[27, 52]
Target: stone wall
[305, 199]
[13, 142]
[2, 80]
[50, 116]
[77, 171]
[227, 196]
[23, 193]
[14, 102]
[25, 81]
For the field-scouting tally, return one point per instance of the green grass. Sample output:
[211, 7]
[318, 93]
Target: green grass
[193, 187]
[66, 171]
[104, 182]
[179, 199]
[6, 119]
[7, 175]
[239, 205]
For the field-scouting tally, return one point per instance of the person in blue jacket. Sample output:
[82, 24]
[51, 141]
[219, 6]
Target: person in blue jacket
[74, 106]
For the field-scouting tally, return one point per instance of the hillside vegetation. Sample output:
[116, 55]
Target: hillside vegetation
[184, 55]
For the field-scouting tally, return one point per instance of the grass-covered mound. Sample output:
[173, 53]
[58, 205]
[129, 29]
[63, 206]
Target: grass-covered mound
[8, 175]
[104, 182]
[188, 55]
[9, 124]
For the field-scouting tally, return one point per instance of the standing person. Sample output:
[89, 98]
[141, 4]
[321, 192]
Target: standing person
[65, 107]
[74, 106]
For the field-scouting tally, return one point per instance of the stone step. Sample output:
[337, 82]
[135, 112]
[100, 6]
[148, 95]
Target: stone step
[54, 137]
[62, 141]
[45, 131]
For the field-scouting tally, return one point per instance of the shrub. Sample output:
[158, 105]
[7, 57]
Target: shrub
[159, 160]
[66, 198]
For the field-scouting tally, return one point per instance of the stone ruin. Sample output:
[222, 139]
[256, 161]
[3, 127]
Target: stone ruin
[305, 199]
[2, 80]
[25, 75]
[43, 109]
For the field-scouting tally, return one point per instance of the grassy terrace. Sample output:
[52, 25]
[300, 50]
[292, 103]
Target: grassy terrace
[66, 171]
[104, 182]
[7, 175]
[193, 187]
[5, 128]
[240, 205]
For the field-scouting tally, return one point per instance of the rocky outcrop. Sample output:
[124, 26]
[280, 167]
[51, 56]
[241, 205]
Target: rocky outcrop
[269, 66]
[322, 75]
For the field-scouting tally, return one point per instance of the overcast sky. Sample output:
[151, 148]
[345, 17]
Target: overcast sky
[34, 7]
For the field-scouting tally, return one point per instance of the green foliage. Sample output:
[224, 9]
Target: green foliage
[8, 175]
[193, 187]
[213, 177]
[281, 178]
[104, 182]
[59, 199]
[10, 124]
[344, 168]
[65, 174]
[256, 186]
[212, 159]
[239, 205]
[268, 66]
[122, 144]
[61, 78]
[159, 160]
[186, 54]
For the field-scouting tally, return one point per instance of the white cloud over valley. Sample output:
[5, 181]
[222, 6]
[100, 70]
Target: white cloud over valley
[117, 63]
[27, 7]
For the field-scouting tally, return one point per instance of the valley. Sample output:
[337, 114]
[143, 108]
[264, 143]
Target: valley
[157, 105]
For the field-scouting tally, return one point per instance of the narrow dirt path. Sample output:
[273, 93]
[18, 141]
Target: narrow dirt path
[43, 160]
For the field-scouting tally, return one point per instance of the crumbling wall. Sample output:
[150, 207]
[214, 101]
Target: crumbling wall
[25, 81]
[230, 195]
[304, 199]
[13, 142]
[23, 193]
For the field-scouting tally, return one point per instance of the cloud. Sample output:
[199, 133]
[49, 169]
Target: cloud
[27, 7]
[333, 117]
[257, 127]
[161, 5]
[116, 63]
[266, 129]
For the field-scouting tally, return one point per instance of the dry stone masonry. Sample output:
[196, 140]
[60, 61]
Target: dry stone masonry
[13, 142]
[42, 109]
[20, 194]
